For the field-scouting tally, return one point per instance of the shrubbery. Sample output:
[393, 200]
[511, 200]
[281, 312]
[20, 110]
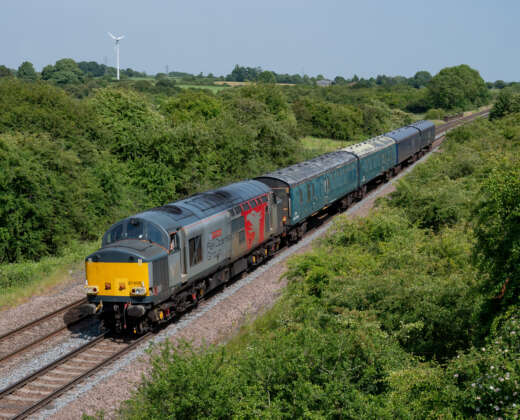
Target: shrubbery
[346, 122]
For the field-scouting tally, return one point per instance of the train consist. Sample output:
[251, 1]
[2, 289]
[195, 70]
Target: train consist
[156, 264]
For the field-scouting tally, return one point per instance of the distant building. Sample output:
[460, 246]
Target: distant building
[324, 82]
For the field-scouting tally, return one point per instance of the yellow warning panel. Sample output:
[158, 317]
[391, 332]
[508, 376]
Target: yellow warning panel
[117, 279]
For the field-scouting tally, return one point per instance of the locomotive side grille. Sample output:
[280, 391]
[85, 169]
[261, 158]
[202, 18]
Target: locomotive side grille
[160, 271]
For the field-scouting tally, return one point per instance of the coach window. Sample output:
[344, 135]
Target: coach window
[195, 250]
[301, 196]
[308, 192]
[246, 207]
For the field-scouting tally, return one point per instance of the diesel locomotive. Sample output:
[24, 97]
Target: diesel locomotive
[158, 263]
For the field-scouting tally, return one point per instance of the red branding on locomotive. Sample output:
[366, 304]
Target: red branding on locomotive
[254, 219]
[216, 234]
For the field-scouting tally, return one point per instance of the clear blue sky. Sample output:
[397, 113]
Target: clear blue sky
[331, 37]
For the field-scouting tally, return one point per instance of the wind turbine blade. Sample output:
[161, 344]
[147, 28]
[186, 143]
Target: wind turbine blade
[120, 38]
[112, 36]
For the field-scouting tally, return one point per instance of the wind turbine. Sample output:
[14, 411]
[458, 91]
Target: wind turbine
[117, 39]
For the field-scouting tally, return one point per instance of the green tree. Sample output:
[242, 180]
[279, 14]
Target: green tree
[65, 71]
[267, 77]
[26, 71]
[5, 72]
[457, 87]
[507, 102]
[420, 79]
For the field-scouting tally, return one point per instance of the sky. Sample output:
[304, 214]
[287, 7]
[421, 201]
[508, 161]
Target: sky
[328, 37]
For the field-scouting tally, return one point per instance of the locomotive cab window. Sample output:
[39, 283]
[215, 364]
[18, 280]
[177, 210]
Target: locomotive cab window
[195, 250]
[136, 229]
[174, 246]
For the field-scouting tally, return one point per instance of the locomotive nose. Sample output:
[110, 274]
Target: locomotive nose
[116, 273]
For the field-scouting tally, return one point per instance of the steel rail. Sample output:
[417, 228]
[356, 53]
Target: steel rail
[42, 319]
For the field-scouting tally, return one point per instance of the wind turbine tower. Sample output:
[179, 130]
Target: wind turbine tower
[117, 39]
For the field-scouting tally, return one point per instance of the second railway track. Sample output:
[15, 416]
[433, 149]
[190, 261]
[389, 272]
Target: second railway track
[29, 335]
[28, 395]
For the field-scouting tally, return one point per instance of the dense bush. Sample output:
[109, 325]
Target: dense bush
[55, 184]
[435, 114]
[498, 233]
[507, 102]
[346, 122]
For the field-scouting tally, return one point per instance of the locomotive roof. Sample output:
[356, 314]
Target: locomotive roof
[402, 133]
[369, 146]
[174, 215]
[302, 171]
[422, 125]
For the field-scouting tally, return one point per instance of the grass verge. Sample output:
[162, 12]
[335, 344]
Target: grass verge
[20, 281]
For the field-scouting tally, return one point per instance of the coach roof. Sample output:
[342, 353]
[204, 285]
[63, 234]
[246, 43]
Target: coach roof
[303, 171]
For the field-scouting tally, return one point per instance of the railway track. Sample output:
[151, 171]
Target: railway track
[40, 388]
[21, 339]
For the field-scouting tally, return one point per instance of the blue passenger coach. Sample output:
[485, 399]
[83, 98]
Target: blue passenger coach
[427, 132]
[307, 187]
[376, 156]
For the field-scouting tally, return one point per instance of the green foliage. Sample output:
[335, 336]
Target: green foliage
[64, 72]
[346, 122]
[507, 102]
[459, 87]
[498, 233]
[420, 79]
[267, 77]
[302, 370]
[488, 377]
[26, 71]
[5, 72]
[435, 114]
[191, 106]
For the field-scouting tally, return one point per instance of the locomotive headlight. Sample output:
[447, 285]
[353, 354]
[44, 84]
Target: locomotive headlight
[92, 290]
[138, 291]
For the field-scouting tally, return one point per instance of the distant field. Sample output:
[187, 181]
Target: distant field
[212, 88]
[224, 82]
